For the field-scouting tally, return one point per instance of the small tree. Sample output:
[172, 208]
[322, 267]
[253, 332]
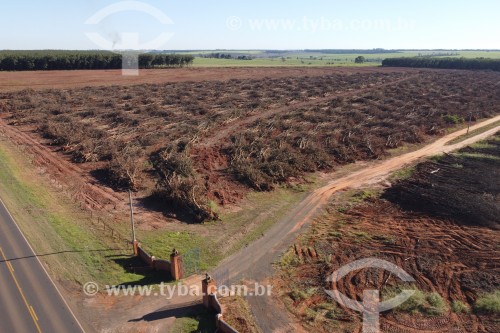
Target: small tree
[359, 60]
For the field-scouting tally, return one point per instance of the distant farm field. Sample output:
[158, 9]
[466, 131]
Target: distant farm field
[321, 59]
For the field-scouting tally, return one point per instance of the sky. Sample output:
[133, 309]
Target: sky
[246, 25]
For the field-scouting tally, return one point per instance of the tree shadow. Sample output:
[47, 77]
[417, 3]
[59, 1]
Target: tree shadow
[60, 252]
[135, 265]
[169, 210]
[196, 310]
[105, 177]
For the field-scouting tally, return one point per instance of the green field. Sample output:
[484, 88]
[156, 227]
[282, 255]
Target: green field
[318, 59]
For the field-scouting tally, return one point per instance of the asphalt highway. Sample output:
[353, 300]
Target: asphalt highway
[29, 300]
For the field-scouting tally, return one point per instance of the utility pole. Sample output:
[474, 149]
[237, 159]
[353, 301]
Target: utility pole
[468, 125]
[132, 216]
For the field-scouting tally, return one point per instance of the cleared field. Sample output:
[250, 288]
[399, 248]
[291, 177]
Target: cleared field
[15, 81]
[188, 149]
[424, 224]
[205, 145]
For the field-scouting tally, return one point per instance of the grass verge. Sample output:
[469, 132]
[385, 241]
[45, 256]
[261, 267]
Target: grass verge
[55, 227]
[473, 133]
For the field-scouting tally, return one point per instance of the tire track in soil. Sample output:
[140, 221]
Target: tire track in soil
[64, 173]
[418, 238]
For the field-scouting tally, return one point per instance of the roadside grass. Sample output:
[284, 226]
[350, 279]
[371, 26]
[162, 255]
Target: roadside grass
[478, 155]
[200, 322]
[204, 246]
[436, 158]
[57, 229]
[364, 195]
[474, 133]
[481, 145]
[402, 174]
[195, 249]
[265, 209]
[289, 260]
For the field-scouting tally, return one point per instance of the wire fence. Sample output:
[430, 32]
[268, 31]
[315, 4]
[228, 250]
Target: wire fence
[74, 191]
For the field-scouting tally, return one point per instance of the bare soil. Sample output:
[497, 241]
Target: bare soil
[448, 254]
[12, 81]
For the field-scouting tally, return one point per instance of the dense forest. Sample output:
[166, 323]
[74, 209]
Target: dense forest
[449, 63]
[73, 60]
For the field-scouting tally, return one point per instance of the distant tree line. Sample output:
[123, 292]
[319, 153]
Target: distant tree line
[449, 63]
[351, 51]
[74, 60]
[226, 56]
[217, 56]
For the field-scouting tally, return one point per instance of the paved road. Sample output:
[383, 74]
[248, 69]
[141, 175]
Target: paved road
[254, 263]
[29, 300]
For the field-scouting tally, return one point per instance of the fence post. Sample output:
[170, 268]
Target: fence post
[176, 269]
[135, 244]
[208, 287]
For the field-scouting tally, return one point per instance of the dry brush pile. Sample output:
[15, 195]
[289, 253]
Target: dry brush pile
[155, 138]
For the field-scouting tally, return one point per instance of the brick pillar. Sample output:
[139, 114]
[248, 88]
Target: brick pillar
[208, 287]
[176, 269]
[135, 244]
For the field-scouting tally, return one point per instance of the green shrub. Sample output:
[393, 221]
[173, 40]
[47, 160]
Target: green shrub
[297, 295]
[403, 174]
[453, 119]
[437, 305]
[310, 315]
[488, 303]
[430, 304]
[414, 304]
[459, 307]
[364, 195]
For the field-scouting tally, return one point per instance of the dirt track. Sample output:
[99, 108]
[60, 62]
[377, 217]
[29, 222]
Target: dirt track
[254, 263]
